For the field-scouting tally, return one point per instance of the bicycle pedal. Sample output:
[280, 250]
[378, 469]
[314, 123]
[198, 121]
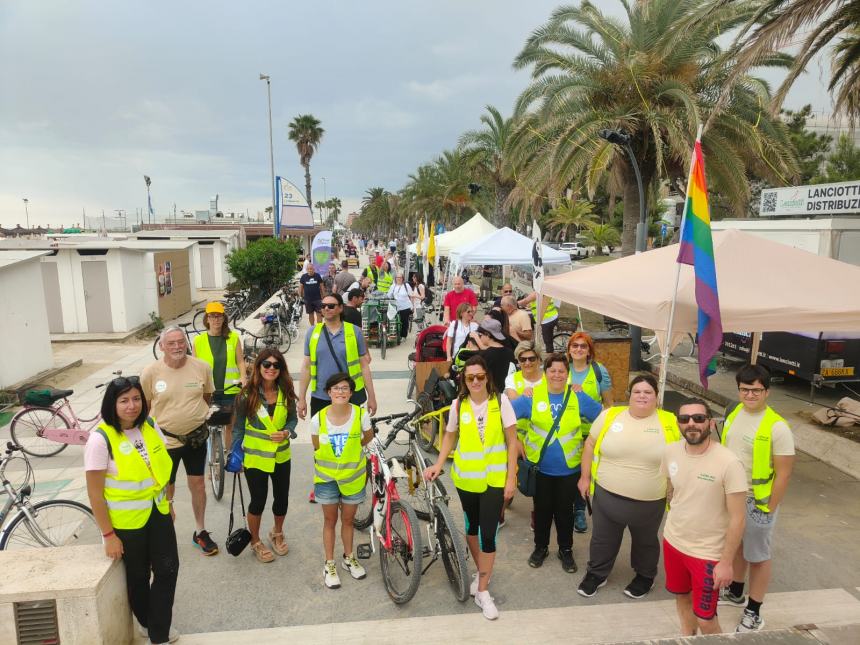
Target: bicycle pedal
[363, 551]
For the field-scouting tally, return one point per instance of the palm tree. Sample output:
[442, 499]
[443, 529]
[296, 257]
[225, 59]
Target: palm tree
[306, 133]
[657, 74]
[777, 23]
[570, 213]
[600, 235]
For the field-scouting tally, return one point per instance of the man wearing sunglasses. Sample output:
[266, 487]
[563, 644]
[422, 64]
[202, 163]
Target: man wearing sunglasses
[706, 487]
[764, 443]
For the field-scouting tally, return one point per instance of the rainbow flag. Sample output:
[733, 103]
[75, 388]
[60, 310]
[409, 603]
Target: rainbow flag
[697, 249]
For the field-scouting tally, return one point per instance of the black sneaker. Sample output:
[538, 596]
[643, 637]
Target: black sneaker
[567, 561]
[204, 542]
[638, 587]
[538, 556]
[589, 585]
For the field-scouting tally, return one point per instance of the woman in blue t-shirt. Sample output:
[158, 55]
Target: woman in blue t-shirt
[555, 409]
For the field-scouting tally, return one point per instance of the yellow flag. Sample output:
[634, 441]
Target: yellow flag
[431, 245]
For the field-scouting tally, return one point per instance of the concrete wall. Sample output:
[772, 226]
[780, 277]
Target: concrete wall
[25, 343]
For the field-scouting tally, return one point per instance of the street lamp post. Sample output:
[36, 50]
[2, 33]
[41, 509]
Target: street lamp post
[27, 213]
[325, 200]
[148, 181]
[264, 77]
[622, 138]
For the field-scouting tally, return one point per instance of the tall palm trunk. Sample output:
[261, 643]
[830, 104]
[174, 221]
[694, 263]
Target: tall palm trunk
[308, 182]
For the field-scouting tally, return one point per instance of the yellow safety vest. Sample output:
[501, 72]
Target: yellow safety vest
[350, 469]
[541, 423]
[477, 464]
[548, 314]
[384, 282]
[671, 432]
[131, 493]
[260, 451]
[519, 388]
[353, 360]
[231, 373]
[592, 388]
[762, 467]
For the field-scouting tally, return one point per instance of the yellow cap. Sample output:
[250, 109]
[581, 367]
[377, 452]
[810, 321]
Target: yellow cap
[214, 308]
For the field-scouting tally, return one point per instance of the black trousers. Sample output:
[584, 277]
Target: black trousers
[405, 317]
[258, 485]
[547, 330]
[151, 549]
[612, 514]
[553, 502]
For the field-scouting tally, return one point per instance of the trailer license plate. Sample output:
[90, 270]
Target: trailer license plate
[837, 371]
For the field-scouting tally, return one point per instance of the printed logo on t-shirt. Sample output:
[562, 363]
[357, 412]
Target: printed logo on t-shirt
[707, 477]
[652, 430]
[125, 448]
[338, 441]
[160, 386]
[616, 427]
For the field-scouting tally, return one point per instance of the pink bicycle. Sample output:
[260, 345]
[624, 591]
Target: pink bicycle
[48, 422]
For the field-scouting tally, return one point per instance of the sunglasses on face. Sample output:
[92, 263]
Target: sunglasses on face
[506, 291]
[528, 359]
[270, 365]
[696, 418]
[329, 305]
[476, 378]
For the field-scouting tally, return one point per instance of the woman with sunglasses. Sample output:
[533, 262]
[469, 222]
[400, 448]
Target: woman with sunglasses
[482, 426]
[589, 376]
[459, 329]
[553, 441]
[338, 434]
[127, 470]
[621, 473]
[264, 417]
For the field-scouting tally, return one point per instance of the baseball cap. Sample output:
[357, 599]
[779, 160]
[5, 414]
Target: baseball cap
[214, 308]
[492, 327]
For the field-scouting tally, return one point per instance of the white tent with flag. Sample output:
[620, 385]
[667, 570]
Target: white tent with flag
[474, 228]
[504, 246]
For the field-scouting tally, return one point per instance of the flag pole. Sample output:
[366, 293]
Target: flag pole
[667, 344]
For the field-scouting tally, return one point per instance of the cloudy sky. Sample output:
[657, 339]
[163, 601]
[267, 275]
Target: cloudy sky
[93, 95]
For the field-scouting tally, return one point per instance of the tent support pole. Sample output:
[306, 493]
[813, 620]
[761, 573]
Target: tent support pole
[579, 317]
[756, 340]
[667, 345]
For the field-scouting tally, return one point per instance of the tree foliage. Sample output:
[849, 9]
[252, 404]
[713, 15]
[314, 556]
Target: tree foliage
[306, 132]
[811, 147]
[843, 164]
[265, 264]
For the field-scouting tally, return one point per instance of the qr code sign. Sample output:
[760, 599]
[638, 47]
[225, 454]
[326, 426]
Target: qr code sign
[768, 201]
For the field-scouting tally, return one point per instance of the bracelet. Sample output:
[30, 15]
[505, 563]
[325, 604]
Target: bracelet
[108, 534]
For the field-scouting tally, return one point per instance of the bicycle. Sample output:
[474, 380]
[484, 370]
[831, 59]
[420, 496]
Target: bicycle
[51, 522]
[250, 350]
[156, 350]
[218, 419]
[392, 522]
[45, 429]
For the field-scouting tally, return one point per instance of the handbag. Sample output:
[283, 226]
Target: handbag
[527, 472]
[240, 538]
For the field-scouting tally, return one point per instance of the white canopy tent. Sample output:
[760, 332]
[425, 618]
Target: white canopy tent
[473, 229]
[503, 246]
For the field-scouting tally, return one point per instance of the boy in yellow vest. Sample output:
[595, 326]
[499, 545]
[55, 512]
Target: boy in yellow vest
[764, 443]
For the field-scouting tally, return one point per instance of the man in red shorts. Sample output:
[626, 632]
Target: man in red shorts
[707, 493]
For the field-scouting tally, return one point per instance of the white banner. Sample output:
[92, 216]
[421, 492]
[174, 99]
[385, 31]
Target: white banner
[821, 199]
[537, 258]
[321, 252]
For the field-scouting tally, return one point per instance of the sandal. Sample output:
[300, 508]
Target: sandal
[279, 545]
[263, 554]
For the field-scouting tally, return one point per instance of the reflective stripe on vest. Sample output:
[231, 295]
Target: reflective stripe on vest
[568, 434]
[592, 388]
[260, 451]
[350, 469]
[761, 477]
[231, 372]
[671, 433]
[477, 464]
[353, 360]
[130, 493]
[548, 314]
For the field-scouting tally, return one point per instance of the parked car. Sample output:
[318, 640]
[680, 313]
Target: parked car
[576, 250]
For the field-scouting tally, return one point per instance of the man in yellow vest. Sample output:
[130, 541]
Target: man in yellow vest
[550, 316]
[764, 443]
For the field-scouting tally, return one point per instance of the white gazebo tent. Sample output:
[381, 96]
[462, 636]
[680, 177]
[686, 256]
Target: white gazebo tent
[474, 228]
[503, 247]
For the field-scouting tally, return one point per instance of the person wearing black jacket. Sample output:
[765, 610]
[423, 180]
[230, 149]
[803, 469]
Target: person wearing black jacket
[494, 350]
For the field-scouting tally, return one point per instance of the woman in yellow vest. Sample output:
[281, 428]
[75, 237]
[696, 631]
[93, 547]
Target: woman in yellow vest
[338, 433]
[385, 279]
[589, 376]
[127, 469]
[265, 414]
[482, 426]
[553, 441]
[621, 473]
[222, 349]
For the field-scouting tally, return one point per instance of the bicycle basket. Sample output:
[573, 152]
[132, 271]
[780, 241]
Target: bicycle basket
[43, 398]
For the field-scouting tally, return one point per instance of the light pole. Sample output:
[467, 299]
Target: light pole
[264, 77]
[27, 213]
[325, 200]
[622, 138]
[148, 181]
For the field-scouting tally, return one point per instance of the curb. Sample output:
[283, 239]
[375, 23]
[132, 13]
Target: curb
[19, 387]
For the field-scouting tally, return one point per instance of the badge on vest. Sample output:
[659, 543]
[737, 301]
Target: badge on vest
[616, 427]
[542, 406]
[126, 448]
[465, 417]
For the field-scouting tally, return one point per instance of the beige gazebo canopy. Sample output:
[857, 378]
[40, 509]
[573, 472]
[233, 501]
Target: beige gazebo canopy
[763, 286]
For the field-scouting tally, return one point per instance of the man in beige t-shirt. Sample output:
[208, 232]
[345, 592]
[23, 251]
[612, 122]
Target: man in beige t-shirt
[519, 321]
[179, 390]
[745, 428]
[707, 491]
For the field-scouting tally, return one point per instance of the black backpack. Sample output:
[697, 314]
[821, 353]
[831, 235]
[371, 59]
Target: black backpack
[428, 295]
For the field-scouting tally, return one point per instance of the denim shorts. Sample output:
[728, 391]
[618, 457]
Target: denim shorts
[329, 493]
[758, 533]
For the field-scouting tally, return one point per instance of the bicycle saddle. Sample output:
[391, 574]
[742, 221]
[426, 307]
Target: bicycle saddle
[46, 397]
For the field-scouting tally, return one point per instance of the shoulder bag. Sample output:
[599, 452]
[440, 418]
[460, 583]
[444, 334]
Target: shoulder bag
[527, 472]
[240, 538]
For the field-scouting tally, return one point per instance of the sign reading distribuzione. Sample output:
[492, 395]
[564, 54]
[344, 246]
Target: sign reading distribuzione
[821, 199]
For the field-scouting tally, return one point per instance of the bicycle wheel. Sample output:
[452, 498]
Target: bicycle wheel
[156, 350]
[559, 341]
[197, 321]
[410, 387]
[364, 512]
[413, 488]
[427, 428]
[57, 522]
[286, 340]
[401, 563]
[453, 550]
[216, 462]
[29, 424]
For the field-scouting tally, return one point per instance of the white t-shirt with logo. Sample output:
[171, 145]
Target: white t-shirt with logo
[337, 434]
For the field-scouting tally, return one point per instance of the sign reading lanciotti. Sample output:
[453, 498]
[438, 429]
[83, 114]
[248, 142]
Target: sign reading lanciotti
[821, 199]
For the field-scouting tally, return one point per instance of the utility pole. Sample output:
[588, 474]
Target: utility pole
[27, 213]
[264, 77]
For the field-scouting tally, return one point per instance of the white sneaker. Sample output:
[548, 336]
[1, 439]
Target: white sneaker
[485, 601]
[473, 588]
[750, 622]
[354, 567]
[330, 577]
[171, 638]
